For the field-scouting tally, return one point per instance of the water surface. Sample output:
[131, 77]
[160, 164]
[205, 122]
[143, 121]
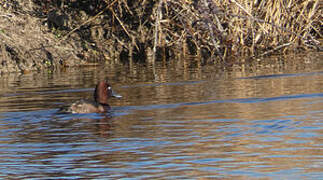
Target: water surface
[176, 120]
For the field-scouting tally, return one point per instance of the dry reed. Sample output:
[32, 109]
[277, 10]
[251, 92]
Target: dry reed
[216, 29]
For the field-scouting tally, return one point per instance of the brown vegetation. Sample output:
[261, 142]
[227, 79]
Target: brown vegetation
[98, 30]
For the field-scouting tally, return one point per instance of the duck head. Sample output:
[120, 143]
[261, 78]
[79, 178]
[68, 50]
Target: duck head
[103, 91]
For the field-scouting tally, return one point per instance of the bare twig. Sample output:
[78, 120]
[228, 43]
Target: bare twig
[157, 23]
[275, 49]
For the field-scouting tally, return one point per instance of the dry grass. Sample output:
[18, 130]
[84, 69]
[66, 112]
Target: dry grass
[217, 29]
[212, 30]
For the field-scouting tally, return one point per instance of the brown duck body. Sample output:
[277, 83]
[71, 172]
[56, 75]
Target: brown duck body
[87, 106]
[102, 93]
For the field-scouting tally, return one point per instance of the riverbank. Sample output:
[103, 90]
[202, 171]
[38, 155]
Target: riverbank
[37, 35]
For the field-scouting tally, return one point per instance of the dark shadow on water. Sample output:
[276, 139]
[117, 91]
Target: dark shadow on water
[242, 100]
[283, 75]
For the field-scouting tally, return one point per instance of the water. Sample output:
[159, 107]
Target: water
[177, 120]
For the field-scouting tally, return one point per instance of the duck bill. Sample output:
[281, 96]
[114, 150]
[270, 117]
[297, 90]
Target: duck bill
[116, 95]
